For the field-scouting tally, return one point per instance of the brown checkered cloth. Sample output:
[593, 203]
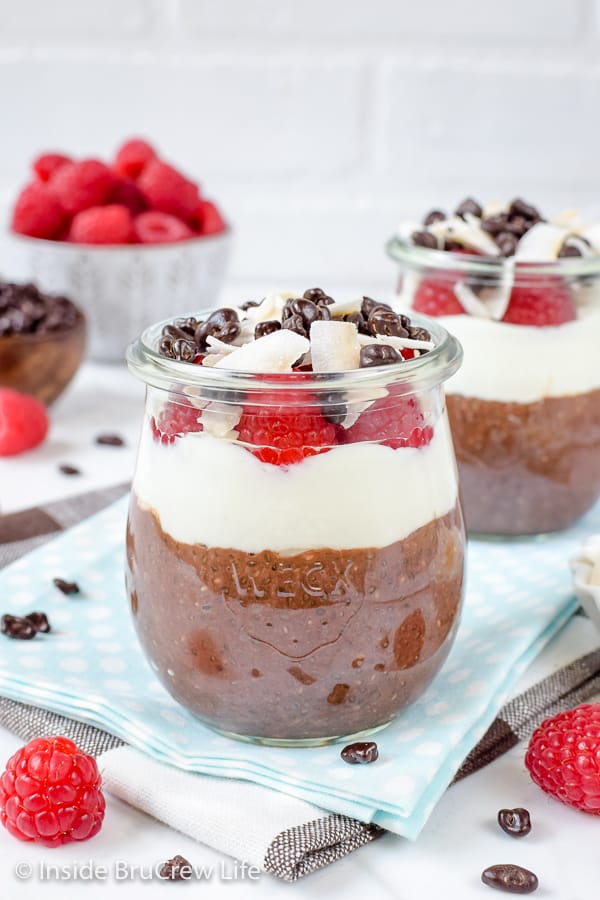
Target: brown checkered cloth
[305, 848]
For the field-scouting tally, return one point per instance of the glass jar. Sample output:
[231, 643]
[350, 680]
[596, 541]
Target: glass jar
[302, 596]
[524, 408]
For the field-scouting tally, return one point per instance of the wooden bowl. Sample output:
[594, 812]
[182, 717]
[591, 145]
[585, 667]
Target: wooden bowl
[42, 364]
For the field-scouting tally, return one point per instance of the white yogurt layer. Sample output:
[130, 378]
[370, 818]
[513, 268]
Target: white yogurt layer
[522, 363]
[210, 491]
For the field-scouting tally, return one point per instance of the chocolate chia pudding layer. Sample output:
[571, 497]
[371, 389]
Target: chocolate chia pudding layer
[322, 644]
[526, 468]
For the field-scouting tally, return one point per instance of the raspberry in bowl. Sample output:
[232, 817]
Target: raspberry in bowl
[128, 240]
[295, 546]
[521, 295]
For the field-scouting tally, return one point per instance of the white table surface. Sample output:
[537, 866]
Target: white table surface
[459, 841]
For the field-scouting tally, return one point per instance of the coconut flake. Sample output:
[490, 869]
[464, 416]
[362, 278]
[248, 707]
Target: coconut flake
[275, 352]
[574, 240]
[541, 243]
[334, 346]
[467, 231]
[221, 419]
[399, 343]
[216, 345]
[345, 307]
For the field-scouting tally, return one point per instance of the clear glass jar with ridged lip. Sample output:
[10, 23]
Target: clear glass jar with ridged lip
[295, 591]
[524, 408]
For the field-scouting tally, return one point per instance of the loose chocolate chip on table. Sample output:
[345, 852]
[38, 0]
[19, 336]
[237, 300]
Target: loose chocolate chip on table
[436, 215]
[17, 627]
[110, 440]
[67, 587]
[424, 239]
[378, 355]
[68, 469]
[510, 878]
[360, 752]
[469, 206]
[176, 869]
[39, 620]
[516, 822]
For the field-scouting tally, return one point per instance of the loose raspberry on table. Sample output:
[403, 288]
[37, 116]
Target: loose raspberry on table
[160, 228]
[38, 212]
[563, 757]
[80, 185]
[23, 422]
[548, 303]
[393, 421]
[436, 297]
[175, 419]
[132, 157]
[50, 793]
[285, 434]
[47, 164]
[168, 191]
[102, 225]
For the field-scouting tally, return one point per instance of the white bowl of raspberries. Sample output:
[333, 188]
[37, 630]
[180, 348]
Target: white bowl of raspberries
[129, 241]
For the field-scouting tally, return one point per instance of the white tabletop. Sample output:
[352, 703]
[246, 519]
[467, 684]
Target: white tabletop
[459, 841]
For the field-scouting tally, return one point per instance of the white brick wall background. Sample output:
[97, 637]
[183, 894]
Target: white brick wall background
[318, 124]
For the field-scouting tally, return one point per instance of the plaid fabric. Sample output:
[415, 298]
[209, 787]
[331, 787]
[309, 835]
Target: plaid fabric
[305, 848]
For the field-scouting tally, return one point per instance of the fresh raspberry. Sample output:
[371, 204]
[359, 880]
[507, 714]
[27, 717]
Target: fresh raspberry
[549, 303]
[563, 757]
[132, 157]
[285, 434]
[83, 184]
[175, 419]
[102, 225]
[50, 793]
[23, 422]
[47, 164]
[167, 190]
[207, 219]
[38, 212]
[393, 421]
[160, 228]
[125, 192]
[436, 297]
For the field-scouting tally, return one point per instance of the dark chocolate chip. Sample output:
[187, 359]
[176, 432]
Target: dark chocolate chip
[418, 334]
[17, 627]
[223, 323]
[495, 224]
[516, 822]
[184, 349]
[424, 239]
[378, 355]
[24, 309]
[386, 322]
[249, 304]
[359, 753]
[176, 869]
[518, 225]
[469, 206]
[263, 328]
[174, 332]
[520, 208]
[295, 323]
[39, 620]
[359, 320]
[315, 294]
[110, 440]
[510, 878]
[165, 346]
[569, 250]
[368, 305]
[333, 407]
[436, 215]
[507, 243]
[68, 469]
[67, 587]
[188, 325]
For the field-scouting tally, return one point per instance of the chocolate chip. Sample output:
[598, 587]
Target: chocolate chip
[68, 469]
[378, 355]
[263, 328]
[360, 752]
[295, 323]
[516, 822]
[317, 295]
[173, 331]
[518, 226]
[249, 304]
[188, 325]
[424, 239]
[495, 224]
[520, 208]
[469, 206]
[110, 440]
[510, 878]
[223, 323]
[367, 306]
[386, 322]
[176, 869]
[17, 627]
[507, 243]
[67, 587]
[416, 333]
[436, 215]
[24, 309]
[359, 320]
[184, 349]
[39, 620]
[569, 250]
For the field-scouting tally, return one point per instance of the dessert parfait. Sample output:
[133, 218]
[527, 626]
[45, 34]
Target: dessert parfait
[521, 294]
[295, 544]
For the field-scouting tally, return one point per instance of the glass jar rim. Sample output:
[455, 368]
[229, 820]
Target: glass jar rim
[403, 251]
[428, 370]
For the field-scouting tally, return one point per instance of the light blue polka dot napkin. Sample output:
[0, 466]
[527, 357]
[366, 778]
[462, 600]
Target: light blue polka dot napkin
[91, 668]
